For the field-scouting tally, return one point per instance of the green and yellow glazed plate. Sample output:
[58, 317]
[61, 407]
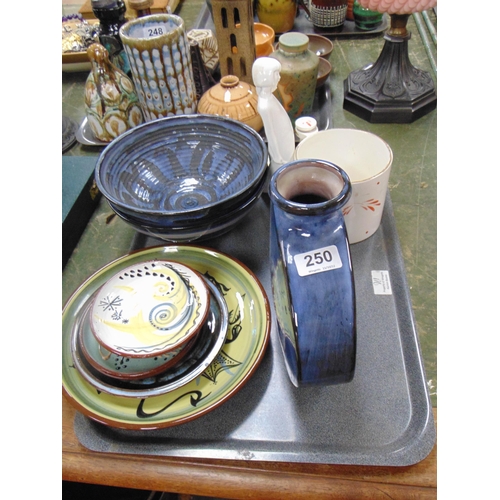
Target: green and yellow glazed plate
[245, 345]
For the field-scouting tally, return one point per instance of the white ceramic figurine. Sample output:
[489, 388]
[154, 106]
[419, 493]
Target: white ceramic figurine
[277, 125]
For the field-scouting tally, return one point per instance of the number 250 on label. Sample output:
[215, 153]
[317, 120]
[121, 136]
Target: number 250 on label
[318, 261]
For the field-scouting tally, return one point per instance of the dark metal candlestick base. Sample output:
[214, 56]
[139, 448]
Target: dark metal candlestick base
[391, 90]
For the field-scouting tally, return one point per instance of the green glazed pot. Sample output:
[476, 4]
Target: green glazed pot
[366, 19]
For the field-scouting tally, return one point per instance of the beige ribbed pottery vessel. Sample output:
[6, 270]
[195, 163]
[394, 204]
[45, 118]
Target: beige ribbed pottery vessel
[234, 99]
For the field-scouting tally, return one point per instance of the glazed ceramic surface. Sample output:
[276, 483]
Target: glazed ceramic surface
[366, 19]
[264, 39]
[111, 103]
[279, 14]
[149, 308]
[320, 45]
[203, 79]
[298, 74]
[160, 60]
[111, 16]
[117, 366]
[180, 169]
[328, 13]
[277, 124]
[324, 70]
[311, 270]
[216, 225]
[207, 345]
[207, 42]
[234, 99]
[367, 159]
[305, 126]
[246, 342]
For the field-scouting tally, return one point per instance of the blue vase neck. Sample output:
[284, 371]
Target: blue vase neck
[310, 187]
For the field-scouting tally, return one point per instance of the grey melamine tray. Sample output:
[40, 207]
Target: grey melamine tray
[382, 417]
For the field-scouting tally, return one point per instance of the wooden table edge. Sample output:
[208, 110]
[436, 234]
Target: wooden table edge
[243, 479]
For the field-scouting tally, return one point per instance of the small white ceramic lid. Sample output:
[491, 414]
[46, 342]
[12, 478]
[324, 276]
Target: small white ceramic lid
[149, 308]
[306, 124]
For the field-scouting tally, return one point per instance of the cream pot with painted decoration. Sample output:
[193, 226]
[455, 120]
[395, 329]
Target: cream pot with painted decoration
[367, 159]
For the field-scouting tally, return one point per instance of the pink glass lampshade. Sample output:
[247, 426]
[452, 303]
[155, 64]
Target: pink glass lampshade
[398, 6]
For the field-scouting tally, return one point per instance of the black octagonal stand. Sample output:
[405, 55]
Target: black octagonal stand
[391, 90]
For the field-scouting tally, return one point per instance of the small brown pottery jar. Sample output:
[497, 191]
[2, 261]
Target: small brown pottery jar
[298, 74]
[233, 99]
[111, 103]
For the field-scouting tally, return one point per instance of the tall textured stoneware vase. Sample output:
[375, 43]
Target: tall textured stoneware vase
[160, 60]
[311, 271]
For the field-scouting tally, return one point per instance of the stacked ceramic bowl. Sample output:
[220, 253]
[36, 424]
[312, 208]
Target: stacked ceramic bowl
[162, 336]
[150, 329]
[184, 178]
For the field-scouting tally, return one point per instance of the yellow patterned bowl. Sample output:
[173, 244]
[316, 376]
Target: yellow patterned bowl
[201, 351]
[149, 309]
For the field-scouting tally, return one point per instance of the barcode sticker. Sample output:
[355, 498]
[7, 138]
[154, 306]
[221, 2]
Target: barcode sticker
[381, 283]
[318, 261]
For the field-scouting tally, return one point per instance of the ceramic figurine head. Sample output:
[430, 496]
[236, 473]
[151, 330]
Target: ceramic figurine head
[266, 74]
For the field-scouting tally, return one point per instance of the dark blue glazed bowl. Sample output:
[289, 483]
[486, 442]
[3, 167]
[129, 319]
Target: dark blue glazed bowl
[182, 169]
[208, 228]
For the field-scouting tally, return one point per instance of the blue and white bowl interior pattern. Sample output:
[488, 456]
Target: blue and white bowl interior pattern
[182, 167]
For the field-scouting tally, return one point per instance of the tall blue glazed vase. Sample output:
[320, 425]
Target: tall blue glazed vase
[311, 271]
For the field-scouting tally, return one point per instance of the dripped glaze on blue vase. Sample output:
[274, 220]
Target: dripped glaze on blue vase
[311, 270]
